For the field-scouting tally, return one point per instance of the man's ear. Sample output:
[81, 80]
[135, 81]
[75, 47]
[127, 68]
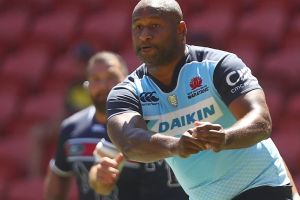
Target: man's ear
[182, 30]
[86, 84]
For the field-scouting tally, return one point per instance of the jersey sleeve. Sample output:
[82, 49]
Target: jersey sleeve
[122, 99]
[59, 164]
[232, 78]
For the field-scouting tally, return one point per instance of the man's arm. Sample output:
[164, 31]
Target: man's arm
[56, 187]
[253, 120]
[128, 131]
[104, 175]
[252, 126]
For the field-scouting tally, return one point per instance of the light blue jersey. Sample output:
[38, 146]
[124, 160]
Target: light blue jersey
[205, 83]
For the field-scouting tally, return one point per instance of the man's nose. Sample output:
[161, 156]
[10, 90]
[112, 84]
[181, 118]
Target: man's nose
[145, 34]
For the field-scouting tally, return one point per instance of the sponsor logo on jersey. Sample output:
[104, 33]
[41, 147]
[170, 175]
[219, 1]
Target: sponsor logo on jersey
[177, 122]
[149, 98]
[173, 100]
[239, 79]
[197, 87]
[195, 82]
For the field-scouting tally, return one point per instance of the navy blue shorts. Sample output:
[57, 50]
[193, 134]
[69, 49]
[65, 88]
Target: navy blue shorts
[267, 193]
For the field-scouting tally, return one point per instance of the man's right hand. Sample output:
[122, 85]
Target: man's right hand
[188, 145]
[105, 173]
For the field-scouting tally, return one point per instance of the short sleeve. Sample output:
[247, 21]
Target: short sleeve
[232, 78]
[59, 164]
[122, 99]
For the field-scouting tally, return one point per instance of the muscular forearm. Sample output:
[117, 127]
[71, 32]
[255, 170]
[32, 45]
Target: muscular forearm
[56, 187]
[249, 130]
[253, 121]
[144, 146]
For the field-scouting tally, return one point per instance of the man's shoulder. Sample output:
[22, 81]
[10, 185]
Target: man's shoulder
[201, 53]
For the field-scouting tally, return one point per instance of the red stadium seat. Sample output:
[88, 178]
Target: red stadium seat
[290, 117]
[97, 29]
[26, 189]
[57, 28]
[45, 106]
[8, 107]
[291, 38]
[210, 27]
[287, 142]
[3, 187]
[27, 66]
[67, 68]
[131, 59]
[13, 156]
[268, 24]
[14, 26]
[283, 67]
[249, 49]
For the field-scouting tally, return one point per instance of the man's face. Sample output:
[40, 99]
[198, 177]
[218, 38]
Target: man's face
[102, 77]
[154, 36]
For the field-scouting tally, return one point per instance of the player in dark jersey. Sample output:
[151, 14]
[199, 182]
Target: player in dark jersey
[199, 108]
[82, 131]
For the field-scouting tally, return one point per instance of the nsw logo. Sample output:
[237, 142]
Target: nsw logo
[195, 82]
[149, 98]
[197, 87]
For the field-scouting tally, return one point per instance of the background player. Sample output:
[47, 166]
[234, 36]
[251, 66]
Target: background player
[81, 132]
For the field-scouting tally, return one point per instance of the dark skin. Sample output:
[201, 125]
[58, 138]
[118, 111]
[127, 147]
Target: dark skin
[153, 31]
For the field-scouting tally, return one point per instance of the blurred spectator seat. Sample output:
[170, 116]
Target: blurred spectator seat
[26, 189]
[292, 37]
[275, 100]
[27, 66]
[56, 29]
[249, 49]
[8, 107]
[42, 107]
[267, 23]
[14, 26]
[66, 68]
[283, 67]
[106, 29]
[13, 156]
[210, 27]
[287, 6]
[131, 59]
[3, 187]
[35, 6]
[290, 117]
[287, 142]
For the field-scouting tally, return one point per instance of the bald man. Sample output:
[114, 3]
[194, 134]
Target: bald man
[199, 108]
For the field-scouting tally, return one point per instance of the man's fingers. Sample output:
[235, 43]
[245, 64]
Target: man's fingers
[119, 158]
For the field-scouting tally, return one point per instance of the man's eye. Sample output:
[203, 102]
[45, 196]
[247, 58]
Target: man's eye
[155, 25]
[138, 27]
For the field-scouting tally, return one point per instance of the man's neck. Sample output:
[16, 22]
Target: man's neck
[164, 73]
[100, 117]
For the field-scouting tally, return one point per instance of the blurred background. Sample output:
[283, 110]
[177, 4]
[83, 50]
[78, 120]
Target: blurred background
[45, 44]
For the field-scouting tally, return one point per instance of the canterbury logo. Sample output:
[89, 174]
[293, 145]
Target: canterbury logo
[149, 97]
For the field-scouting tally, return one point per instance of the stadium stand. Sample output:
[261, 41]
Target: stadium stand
[37, 64]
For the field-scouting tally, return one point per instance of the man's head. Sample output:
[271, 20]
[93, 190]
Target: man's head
[158, 31]
[105, 70]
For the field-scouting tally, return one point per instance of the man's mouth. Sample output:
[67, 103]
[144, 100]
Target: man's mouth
[146, 48]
